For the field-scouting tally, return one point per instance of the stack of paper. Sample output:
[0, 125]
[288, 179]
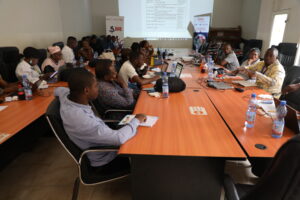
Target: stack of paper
[150, 121]
[246, 83]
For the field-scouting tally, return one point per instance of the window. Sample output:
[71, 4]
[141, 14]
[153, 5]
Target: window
[278, 28]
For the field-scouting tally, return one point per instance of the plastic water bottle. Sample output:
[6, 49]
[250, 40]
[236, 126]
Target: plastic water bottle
[210, 66]
[165, 86]
[278, 123]
[81, 64]
[95, 55]
[173, 69]
[27, 87]
[251, 112]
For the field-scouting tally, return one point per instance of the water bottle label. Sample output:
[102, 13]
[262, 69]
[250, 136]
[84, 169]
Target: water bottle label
[278, 127]
[165, 91]
[250, 117]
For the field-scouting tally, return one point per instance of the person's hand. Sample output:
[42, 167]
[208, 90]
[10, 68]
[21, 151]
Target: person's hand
[156, 77]
[11, 88]
[46, 76]
[141, 117]
[250, 73]
[291, 88]
[121, 82]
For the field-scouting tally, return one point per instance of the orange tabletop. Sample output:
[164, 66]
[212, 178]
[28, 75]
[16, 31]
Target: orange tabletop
[232, 106]
[179, 133]
[20, 114]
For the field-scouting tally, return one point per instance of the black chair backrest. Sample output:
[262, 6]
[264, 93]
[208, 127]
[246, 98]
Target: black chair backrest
[282, 179]
[249, 44]
[60, 44]
[53, 115]
[292, 73]
[289, 49]
[4, 71]
[11, 57]
[42, 55]
[287, 54]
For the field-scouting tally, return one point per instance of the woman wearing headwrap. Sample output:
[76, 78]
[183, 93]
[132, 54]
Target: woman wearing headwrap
[55, 61]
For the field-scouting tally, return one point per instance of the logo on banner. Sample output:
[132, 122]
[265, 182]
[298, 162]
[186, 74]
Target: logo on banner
[114, 29]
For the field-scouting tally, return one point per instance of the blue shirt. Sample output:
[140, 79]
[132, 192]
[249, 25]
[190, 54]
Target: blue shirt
[87, 130]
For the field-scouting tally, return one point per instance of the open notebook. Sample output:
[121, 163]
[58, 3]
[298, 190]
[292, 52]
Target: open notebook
[150, 121]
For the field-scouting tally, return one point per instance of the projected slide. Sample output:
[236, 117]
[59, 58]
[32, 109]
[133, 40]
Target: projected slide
[161, 18]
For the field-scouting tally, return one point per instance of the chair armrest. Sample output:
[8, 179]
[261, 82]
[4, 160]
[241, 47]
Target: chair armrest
[111, 121]
[230, 189]
[98, 149]
[116, 110]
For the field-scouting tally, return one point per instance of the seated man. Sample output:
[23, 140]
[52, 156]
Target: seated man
[228, 58]
[68, 50]
[269, 73]
[80, 123]
[128, 70]
[54, 62]
[291, 93]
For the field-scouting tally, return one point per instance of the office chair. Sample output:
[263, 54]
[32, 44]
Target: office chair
[105, 114]
[10, 56]
[281, 181]
[85, 175]
[287, 54]
[249, 44]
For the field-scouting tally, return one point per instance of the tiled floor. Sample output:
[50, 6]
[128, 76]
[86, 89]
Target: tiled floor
[47, 172]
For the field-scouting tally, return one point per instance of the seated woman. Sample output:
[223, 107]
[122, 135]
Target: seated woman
[54, 62]
[28, 66]
[113, 92]
[253, 58]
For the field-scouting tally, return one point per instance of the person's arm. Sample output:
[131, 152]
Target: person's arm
[275, 77]
[3, 83]
[96, 131]
[113, 98]
[144, 81]
[291, 88]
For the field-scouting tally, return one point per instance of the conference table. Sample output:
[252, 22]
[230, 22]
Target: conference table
[182, 156]
[19, 114]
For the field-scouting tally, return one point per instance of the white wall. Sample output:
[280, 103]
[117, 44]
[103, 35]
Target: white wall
[39, 23]
[249, 18]
[268, 9]
[227, 13]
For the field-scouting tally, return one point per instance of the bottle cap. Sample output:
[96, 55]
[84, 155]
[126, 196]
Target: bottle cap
[282, 103]
[253, 95]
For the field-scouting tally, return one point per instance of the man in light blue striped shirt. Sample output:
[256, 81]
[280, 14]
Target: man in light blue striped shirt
[82, 126]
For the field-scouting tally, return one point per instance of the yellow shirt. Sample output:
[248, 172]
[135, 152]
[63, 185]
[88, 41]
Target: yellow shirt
[269, 78]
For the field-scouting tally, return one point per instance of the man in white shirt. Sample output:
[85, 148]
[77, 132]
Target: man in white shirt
[128, 70]
[67, 51]
[55, 61]
[82, 126]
